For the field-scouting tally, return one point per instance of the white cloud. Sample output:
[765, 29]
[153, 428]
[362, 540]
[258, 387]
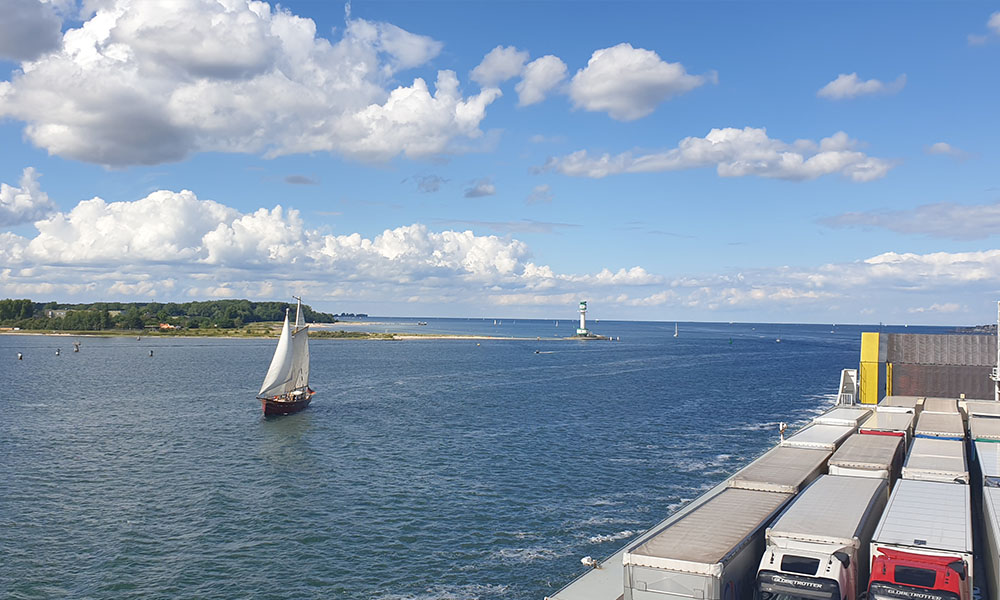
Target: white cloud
[946, 149]
[539, 77]
[24, 204]
[851, 86]
[152, 82]
[941, 220]
[947, 307]
[994, 22]
[499, 65]
[483, 187]
[629, 83]
[737, 153]
[28, 29]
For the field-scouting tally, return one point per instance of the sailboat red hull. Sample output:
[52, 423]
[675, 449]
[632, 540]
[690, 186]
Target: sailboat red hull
[285, 406]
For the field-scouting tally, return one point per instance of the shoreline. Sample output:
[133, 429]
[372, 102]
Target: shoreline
[395, 336]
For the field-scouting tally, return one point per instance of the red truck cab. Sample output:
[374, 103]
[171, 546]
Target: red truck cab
[900, 575]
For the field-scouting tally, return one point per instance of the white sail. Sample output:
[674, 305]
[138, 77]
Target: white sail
[299, 374]
[299, 371]
[279, 372]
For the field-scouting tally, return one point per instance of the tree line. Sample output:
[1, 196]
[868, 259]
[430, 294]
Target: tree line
[97, 316]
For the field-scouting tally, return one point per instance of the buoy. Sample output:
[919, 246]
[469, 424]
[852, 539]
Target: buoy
[19, 356]
[150, 352]
[57, 351]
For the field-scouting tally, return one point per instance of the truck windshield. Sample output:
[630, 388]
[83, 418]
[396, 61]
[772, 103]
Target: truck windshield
[782, 586]
[888, 591]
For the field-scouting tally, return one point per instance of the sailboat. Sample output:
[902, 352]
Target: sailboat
[675, 329]
[286, 386]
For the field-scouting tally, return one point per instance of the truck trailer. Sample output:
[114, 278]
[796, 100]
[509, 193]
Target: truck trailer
[922, 547]
[818, 546]
[711, 553]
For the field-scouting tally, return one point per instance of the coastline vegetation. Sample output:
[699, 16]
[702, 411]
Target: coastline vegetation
[214, 317]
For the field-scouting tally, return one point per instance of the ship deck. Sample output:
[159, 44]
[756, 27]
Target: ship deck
[916, 366]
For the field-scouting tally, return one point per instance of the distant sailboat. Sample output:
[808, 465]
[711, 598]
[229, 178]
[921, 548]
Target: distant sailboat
[675, 330]
[286, 386]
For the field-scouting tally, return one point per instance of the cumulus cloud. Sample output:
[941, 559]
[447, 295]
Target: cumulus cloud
[946, 149]
[152, 82]
[737, 153]
[28, 29]
[941, 220]
[539, 77]
[851, 86]
[176, 243]
[26, 203]
[483, 187]
[629, 83]
[499, 65]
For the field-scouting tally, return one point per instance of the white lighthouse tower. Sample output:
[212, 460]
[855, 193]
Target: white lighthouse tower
[582, 330]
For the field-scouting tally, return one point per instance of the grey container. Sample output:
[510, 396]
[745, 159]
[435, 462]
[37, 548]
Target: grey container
[984, 428]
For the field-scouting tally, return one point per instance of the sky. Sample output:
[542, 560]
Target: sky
[694, 161]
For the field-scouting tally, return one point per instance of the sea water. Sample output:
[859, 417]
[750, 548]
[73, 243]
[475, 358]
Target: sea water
[424, 469]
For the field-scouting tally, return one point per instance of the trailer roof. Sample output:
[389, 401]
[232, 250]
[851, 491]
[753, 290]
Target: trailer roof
[889, 421]
[867, 451]
[783, 469]
[905, 401]
[927, 514]
[833, 506]
[984, 427]
[936, 460]
[708, 534]
[943, 405]
[819, 436]
[982, 407]
[988, 457]
[843, 415]
[940, 424]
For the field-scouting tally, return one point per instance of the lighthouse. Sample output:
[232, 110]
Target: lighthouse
[582, 330]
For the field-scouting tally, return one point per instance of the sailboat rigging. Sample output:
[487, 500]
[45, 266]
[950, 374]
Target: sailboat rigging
[286, 386]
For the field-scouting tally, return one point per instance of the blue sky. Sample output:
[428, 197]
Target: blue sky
[754, 161]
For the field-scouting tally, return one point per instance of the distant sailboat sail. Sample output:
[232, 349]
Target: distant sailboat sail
[675, 330]
[286, 385]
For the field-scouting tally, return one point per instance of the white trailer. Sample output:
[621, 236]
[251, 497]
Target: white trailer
[940, 425]
[845, 416]
[981, 407]
[710, 553]
[819, 437]
[879, 456]
[983, 428]
[938, 460]
[922, 547]
[941, 405]
[911, 402]
[818, 546]
[988, 464]
[890, 422]
[991, 538]
[783, 469]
